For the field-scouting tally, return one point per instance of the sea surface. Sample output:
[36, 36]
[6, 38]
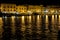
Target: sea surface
[36, 27]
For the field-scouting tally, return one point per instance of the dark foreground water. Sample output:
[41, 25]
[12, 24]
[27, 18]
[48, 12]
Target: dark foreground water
[38, 27]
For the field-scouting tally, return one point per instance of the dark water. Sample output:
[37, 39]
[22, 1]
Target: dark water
[38, 27]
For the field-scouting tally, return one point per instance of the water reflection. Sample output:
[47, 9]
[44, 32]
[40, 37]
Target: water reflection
[37, 27]
[29, 18]
[53, 19]
[59, 19]
[23, 20]
[46, 19]
[1, 29]
[13, 25]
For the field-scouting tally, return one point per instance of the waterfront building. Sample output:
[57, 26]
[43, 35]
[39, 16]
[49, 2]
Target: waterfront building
[53, 9]
[21, 9]
[8, 8]
[13, 8]
[35, 8]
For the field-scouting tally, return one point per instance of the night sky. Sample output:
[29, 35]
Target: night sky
[33, 2]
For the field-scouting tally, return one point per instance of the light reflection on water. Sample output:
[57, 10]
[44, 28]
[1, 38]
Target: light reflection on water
[13, 25]
[46, 19]
[1, 29]
[39, 27]
[53, 20]
[59, 19]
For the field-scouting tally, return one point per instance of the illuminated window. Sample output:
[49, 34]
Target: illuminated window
[14, 6]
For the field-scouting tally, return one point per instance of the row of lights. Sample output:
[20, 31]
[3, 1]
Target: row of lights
[30, 12]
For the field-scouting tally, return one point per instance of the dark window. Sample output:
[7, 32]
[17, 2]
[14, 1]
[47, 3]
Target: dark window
[11, 7]
[4, 10]
[4, 7]
[8, 9]
[14, 10]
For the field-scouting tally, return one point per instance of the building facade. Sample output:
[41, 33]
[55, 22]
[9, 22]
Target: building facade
[13, 8]
[21, 9]
[34, 8]
[8, 8]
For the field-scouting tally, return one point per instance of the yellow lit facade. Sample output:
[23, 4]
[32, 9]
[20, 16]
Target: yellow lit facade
[8, 8]
[13, 8]
[53, 9]
[21, 9]
[34, 8]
